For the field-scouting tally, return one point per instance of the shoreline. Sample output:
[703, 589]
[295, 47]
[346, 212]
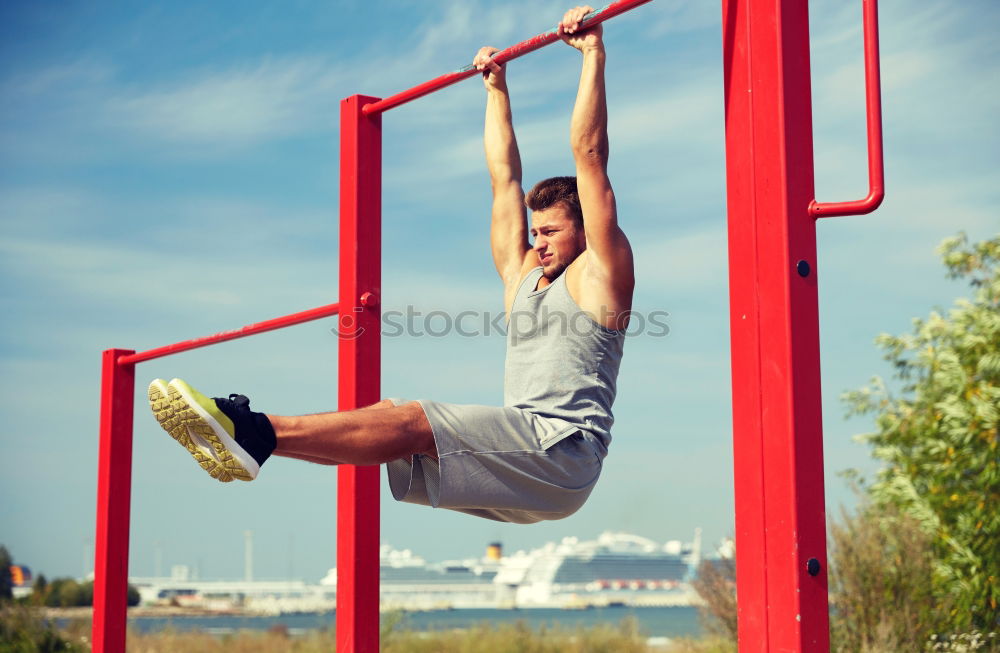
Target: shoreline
[87, 612]
[654, 626]
[161, 611]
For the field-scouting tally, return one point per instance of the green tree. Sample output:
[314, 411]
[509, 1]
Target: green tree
[936, 433]
[39, 590]
[63, 593]
[6, 583]
[68, 593]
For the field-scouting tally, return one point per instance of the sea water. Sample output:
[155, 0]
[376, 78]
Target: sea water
[654, 622]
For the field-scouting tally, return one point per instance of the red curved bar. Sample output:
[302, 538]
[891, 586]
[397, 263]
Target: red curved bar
[513, 52]
[249, 330]
[873, 98]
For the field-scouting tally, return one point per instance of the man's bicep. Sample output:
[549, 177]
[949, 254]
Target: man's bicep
[600, 213]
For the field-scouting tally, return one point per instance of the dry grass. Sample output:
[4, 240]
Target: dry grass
[624, 637]
[37, 634]
[519, 638]
[171, 641]
[485, 638]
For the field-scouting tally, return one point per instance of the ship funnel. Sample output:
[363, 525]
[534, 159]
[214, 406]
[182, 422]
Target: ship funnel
[494, 551]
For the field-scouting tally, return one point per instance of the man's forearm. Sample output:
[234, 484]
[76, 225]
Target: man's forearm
[502, 157]
[589, 125]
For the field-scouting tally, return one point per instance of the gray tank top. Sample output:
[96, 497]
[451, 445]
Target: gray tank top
[560, 363]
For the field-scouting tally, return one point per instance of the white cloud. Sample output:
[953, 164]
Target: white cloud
[683, 264]
[688, 116]
[105, 272]
[76, 77]
[271, 100]
[26, 209]
[199, 260]
[672, 16]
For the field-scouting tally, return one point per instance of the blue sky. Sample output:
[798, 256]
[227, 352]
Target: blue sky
[169, 170]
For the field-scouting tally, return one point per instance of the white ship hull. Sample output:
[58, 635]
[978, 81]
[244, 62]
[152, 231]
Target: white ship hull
[615, 569]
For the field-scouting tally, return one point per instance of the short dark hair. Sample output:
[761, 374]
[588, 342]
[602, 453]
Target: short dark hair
[556, 190]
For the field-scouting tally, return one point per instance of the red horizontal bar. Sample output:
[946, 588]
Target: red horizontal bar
[502, 57]
[249, 330]
[873, 102]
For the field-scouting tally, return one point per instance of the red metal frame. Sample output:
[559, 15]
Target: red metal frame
[774, 319]
[114, 471]
[114, 494]
[873, 106]
[513, 52]
[774, 329]
[777, 433]
[243, 332]
[360, 364]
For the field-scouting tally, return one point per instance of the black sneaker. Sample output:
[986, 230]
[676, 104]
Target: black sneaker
[224, 436]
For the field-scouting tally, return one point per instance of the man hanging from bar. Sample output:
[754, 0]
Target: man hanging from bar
[567, 297]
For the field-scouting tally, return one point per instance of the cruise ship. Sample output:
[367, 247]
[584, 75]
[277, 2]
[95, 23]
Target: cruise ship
[408, 582]
[614, 569]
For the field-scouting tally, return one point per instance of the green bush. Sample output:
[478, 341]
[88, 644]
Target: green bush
[881, 589]
[69, 593]
[5, 578]
[22, 630]
[133, 598]
[716, 585]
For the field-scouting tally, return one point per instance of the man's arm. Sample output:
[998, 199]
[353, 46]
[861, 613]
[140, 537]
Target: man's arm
[609, 256]
[508, 231]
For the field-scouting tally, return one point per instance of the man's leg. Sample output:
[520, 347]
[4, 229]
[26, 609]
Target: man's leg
[319, 460]
[368, 436]
[230, 441]
[310, 459]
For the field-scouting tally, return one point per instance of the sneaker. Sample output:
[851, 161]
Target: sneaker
[224, 436]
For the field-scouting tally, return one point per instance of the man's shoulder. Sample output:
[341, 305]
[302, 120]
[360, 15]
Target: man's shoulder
[513, 283]
[528, 265]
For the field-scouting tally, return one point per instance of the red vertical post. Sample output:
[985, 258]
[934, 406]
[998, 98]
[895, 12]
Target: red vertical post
[114, 489]
[360, 363]
[777, 427]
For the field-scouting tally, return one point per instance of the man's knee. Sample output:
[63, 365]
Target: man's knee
[409, 418]
[418, 425]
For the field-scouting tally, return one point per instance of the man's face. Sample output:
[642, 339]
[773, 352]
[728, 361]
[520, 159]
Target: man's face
[558, 239]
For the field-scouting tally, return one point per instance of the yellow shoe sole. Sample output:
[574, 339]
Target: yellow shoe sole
[193, 420]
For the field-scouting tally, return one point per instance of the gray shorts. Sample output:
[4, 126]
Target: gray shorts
[500, 463]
